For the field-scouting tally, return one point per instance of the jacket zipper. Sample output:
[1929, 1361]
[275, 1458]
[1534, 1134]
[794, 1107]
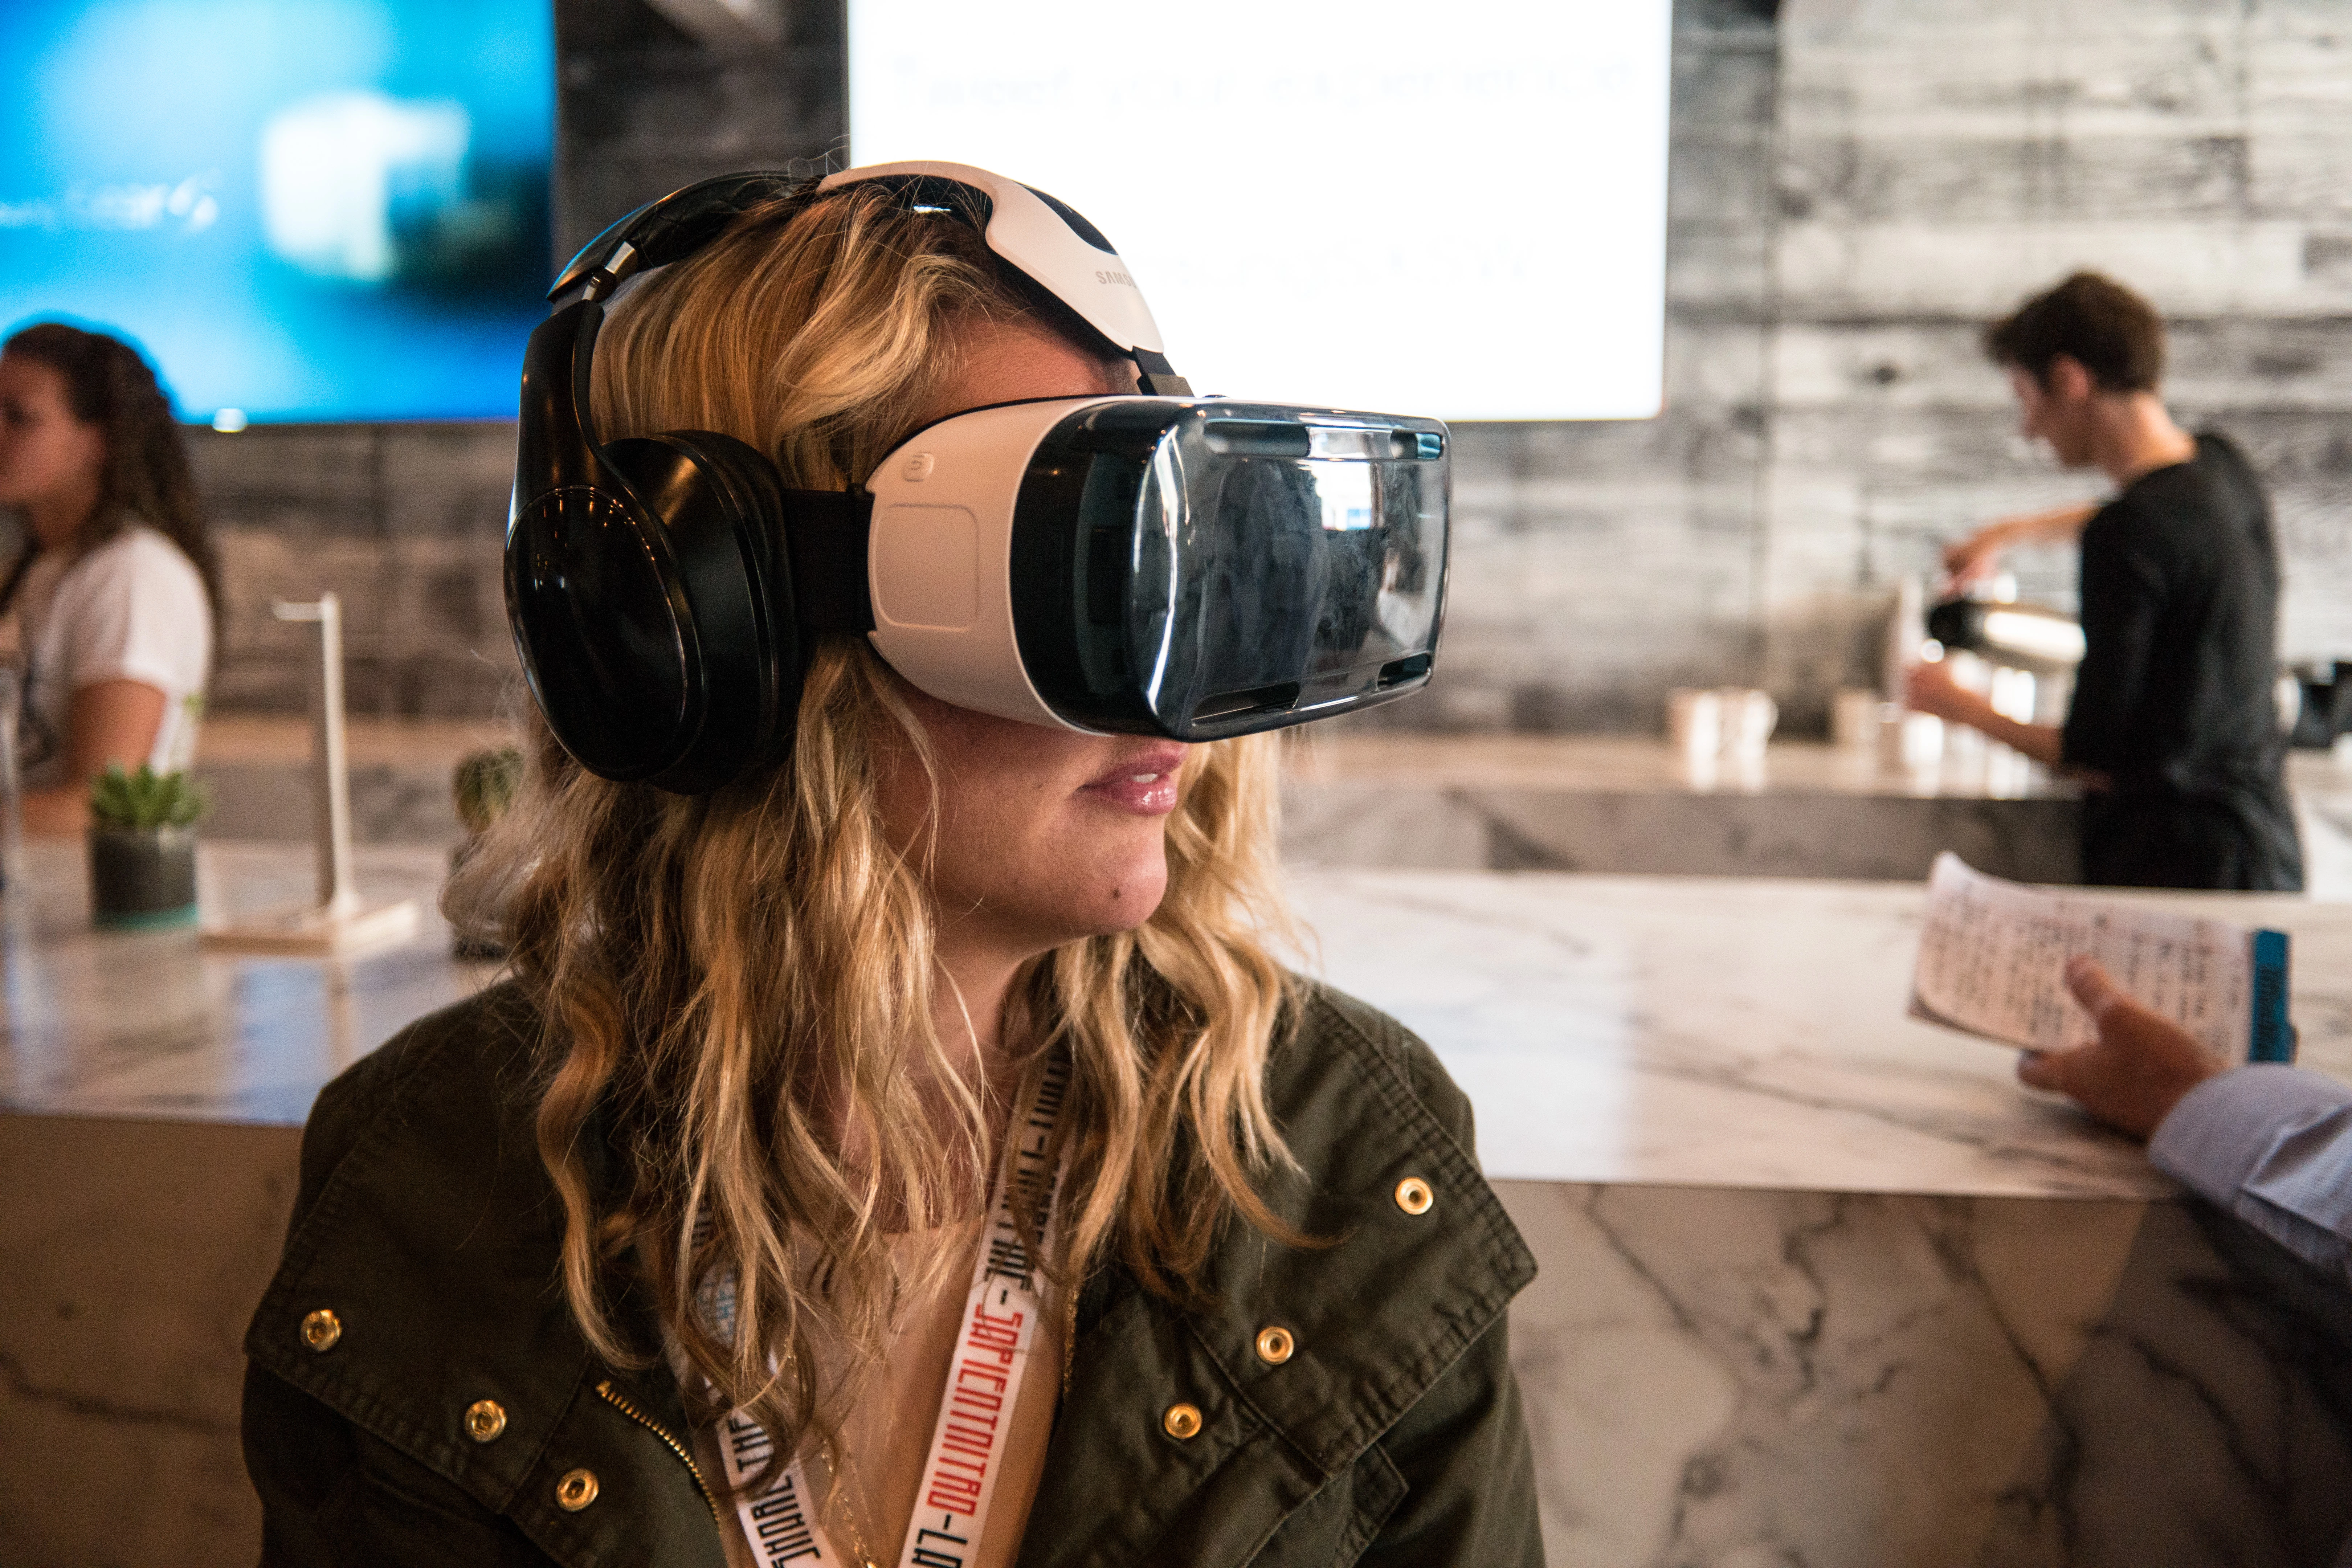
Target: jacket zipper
[611, 1396]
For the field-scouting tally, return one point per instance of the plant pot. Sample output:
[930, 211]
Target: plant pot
[142, 878]
[473, 946]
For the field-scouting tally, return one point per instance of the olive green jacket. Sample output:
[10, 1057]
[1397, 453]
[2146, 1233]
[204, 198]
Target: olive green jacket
[420, 1279]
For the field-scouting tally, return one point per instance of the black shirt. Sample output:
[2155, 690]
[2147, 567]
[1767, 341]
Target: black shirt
[2174, 701]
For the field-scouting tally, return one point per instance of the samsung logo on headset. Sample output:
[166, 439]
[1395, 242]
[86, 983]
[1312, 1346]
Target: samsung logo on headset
[1101, 276]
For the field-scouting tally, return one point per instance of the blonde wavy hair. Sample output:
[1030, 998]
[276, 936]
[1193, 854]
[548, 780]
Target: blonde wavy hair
[737, 989]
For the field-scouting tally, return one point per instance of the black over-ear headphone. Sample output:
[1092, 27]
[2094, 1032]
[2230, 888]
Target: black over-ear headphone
[666, 591]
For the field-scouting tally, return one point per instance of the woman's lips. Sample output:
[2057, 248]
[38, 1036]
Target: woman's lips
[1144, 784]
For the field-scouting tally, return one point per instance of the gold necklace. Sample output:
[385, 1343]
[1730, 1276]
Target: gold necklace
[840, 1496]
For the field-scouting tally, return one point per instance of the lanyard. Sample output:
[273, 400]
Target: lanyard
[999, 1326]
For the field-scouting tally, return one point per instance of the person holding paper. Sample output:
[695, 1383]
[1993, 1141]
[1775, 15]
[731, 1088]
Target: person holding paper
[2268, 1143]
[2173, 725]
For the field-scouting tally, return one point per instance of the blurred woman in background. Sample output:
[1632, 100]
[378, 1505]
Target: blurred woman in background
[116, 589]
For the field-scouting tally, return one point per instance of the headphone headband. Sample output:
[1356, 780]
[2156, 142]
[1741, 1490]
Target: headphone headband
[1045, 242]
[671, 229]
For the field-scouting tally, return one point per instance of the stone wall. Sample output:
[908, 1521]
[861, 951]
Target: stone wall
[1856, 186]
[1936, 162]
[405, 522]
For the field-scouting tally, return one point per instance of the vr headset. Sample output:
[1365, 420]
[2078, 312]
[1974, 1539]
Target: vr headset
[1158, 565]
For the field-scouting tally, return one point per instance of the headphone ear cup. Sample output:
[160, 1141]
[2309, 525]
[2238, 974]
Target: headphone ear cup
[756, 494]
[648, 592]
[718, 505]
[606, 639]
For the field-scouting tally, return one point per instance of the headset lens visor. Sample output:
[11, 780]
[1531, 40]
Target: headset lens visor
[1206, 570]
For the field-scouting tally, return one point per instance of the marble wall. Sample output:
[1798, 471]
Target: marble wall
[1715, 1378]
[122, 1309]
[1723, 1379]
[1451, 825]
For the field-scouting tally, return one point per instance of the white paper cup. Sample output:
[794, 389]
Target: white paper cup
[1695, 722]
[1909, 741]
[1853, 717]
[1747, 719]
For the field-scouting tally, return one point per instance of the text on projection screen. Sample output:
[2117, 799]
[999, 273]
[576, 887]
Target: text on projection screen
[1458, 211]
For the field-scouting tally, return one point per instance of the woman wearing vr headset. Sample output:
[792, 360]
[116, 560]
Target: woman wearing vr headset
[909, 1151]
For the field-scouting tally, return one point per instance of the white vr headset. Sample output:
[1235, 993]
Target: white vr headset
[1158, 563]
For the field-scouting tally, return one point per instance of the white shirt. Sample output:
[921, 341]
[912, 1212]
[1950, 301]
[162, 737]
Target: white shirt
[132, 609]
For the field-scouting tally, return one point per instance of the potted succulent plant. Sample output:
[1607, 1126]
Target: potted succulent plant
[485, 785]
[143, 848]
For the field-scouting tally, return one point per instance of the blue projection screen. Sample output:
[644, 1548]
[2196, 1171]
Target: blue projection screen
[301, 209]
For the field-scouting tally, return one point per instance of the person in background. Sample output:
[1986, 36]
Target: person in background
[2174, 723]
[116, 589]
[2268, 1143]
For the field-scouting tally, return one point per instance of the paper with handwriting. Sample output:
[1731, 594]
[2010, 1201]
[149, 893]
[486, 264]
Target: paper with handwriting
[1992, 961]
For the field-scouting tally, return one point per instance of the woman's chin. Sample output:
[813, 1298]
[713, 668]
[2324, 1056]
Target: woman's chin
[1121, 894]
[1128, 901]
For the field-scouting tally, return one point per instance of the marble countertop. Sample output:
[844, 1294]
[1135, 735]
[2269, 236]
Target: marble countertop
[1739, 1032]
[147, 1024]
[1678, 1031]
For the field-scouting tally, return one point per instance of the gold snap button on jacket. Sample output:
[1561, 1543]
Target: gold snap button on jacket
[1275, 1345]
[1182, 1421]
[1415, 1195]
[322, 1329]
[484, 1419]
[576, 1490]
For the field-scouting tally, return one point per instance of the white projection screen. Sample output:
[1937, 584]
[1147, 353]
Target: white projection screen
[1455, 210]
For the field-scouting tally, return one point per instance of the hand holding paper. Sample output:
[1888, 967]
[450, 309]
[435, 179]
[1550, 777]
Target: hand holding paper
[1994, 956]
[2138, 1069]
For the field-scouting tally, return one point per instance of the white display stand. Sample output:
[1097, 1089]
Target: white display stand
[337, 925]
